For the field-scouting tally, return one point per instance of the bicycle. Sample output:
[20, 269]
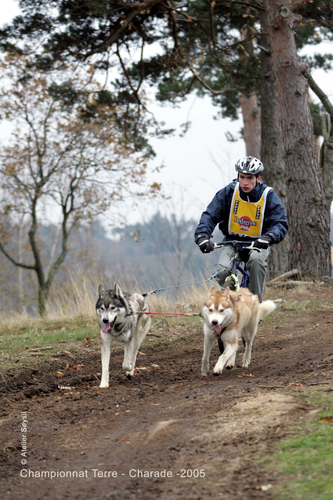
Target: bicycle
[233, 280]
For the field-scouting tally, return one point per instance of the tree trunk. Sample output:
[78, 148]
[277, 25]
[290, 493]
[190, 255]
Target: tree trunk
[272, 150]
[326, 152]
[309, 234]
[250, 107]
[20, 269]
[41, 303]
[251, 120]
[326, 157]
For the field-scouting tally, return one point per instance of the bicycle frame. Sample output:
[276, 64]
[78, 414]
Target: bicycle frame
[233, 278]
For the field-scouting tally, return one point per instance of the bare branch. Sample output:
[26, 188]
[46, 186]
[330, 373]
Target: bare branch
[135, 91]
[184, 59]
[124, 24]
[14, 261]
[256, 5]
[319, 93]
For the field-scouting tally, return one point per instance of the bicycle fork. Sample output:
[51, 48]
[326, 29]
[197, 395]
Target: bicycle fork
[233, 280]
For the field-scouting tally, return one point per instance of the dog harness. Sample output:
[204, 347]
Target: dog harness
[246, 218]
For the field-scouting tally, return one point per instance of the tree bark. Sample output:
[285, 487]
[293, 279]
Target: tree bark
[251, 120]
[309, 234]
[272, 150]
[326, 157]
[250, 107]
[326, 152]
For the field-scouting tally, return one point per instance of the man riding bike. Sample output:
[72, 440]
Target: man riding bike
[249, 210]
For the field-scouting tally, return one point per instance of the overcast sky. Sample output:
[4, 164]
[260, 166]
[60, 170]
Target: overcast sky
[191, 175]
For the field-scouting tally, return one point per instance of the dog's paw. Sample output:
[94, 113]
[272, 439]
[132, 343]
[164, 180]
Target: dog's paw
[231, 362]
[129, 374]
[104, 385]
[204, 369]
[245, 363]
[128, 367]
[217, 371]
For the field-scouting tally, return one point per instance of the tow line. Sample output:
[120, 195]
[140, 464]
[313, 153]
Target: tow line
[178, 286]
[175, 314]
[169, 288]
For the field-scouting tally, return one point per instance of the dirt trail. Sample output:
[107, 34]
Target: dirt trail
[193, 436]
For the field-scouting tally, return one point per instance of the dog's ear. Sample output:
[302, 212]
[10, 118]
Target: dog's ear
[101, 290]
[212, 290]
[230, 297]
[117, 291]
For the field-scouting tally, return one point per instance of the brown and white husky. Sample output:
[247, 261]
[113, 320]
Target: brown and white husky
[226, 315]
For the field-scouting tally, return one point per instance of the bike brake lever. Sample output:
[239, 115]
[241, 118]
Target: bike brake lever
[252, 247]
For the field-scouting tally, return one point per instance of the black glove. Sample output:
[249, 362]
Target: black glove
[204, 243]
[263, 242]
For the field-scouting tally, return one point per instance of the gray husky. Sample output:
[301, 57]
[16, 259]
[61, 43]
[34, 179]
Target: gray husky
[121, 317]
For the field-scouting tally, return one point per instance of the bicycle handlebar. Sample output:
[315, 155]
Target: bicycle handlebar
[234, 243]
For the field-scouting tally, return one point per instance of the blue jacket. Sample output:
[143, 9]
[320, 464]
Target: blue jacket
[275, 220]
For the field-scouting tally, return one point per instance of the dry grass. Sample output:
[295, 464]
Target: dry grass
[77, 296]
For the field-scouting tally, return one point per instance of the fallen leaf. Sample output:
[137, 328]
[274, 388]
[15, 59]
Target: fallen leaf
[59, 374]
[78, 367]
[86, 340]
[325, 420]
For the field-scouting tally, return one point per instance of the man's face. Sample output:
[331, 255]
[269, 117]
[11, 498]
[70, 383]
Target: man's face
[247, 181]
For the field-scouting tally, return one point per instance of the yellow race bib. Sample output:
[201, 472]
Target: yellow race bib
[246, 219]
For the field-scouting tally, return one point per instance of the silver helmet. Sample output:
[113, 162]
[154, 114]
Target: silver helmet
[249, 165]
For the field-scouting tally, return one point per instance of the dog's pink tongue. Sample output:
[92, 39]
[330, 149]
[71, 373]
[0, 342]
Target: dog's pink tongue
[217, 329]
[106, 328]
